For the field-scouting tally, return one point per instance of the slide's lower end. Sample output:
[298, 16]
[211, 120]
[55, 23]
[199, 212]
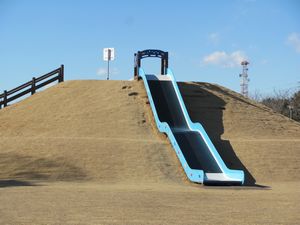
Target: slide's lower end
[235, 177]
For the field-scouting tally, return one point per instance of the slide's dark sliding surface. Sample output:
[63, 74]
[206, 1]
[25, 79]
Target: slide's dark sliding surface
[191, 143]
[198, 156]
[194, 149]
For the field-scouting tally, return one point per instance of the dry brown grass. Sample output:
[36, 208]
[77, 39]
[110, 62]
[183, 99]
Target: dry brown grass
[88, 152]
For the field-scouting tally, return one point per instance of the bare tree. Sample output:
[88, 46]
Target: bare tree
[279, 101]
[295, 103]
[256, 96]
[283, 102]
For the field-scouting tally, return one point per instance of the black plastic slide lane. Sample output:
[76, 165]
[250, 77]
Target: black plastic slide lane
[193, 146]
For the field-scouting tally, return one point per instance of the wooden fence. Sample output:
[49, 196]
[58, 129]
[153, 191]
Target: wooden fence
[32, 86]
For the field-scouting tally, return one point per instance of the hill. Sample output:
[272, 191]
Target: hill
[247, 134]
[85, 130]
[81, 151]
[73, 132]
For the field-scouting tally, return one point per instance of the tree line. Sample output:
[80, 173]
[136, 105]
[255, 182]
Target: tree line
[282, 102]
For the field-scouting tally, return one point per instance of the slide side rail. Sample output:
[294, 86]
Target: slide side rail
[193, 175]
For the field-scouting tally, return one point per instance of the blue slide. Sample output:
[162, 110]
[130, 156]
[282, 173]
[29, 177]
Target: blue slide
[197, 154]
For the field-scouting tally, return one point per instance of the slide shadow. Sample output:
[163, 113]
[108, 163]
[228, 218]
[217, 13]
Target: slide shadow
[15, 183]
[20, 168]
[207, 109]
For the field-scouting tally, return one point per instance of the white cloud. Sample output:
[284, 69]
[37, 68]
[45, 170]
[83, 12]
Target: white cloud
[214, 38]
[102, 71]
[223, 59]
[294, 40]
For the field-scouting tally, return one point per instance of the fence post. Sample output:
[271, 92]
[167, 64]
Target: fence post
[61, 74]
[5, 99]
[33, 88]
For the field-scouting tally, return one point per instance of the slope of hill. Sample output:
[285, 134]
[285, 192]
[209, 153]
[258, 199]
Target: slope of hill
[88, 152]
[247, 134]
[99, 130]
[85, 130]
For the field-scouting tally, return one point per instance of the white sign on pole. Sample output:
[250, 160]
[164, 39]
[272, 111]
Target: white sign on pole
[108, 54]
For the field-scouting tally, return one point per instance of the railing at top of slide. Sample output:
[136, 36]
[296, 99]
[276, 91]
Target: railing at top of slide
[32, 86]
[150, 53]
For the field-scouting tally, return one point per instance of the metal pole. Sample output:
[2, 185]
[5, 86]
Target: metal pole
[107, 69]
[135, 71]
[291, 111]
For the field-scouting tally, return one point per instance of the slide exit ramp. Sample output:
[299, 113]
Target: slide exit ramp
[197, 154]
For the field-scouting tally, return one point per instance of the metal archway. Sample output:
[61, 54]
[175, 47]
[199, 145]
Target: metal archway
[150, 53]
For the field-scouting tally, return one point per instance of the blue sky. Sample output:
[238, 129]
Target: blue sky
[206, 40]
